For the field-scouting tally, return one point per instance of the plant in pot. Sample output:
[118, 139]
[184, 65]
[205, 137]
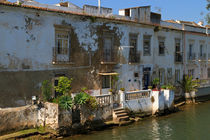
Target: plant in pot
[189, 87]
[149, 87]
[155, 83]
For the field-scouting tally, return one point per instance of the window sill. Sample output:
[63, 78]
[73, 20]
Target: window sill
[134, 63]
[63, 63]
[108, 63]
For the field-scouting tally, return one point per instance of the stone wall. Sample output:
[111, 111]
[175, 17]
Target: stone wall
[51, 116]
[14, 119]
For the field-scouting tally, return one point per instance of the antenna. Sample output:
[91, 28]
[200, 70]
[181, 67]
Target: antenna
[99, 7]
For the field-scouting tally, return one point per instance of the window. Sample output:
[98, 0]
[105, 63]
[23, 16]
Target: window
[62, 39]
[201, 50]
[134, 57]
[169, 72]
[161, 45]
[108, 50]
[106, 81]
[146, 45]
[208, 72]
[177, 75]
[190, 49]
[178, 54]
[177, 45]
[161, 76]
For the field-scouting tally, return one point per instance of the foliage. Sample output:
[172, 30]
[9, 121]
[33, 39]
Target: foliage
[149, 87]
[163, 87]
[208, 14]
[170, 87]
[122, 89]
[81, 98]
[114, 83]
[156, 81]
[46, 90]
[188, 84]
[110, 90]
[64, 85]
[66, 102]
[91, 102]
[85, 99]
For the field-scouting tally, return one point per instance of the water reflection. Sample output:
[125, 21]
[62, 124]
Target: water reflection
[192, 123]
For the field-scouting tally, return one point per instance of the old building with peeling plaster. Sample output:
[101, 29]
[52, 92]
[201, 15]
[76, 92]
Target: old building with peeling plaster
[42, 42]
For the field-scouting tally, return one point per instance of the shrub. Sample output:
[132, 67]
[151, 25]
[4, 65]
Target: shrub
[149, 87]
[156, 82]
[122, 89]
[66, 102]
[85, 99]
[81, 98]
[46, 90]
[64, 85]
[188, 84]
[91, 102]
[163, 86]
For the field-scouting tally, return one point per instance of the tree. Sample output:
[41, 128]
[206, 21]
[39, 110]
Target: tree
[208, 14]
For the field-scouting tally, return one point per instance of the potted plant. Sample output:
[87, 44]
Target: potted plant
[155, 83]
[149, 87]
[189, 87]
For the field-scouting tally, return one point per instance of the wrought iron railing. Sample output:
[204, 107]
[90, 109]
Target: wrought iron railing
[137, 94]
[178, 57]
[191, 56]
[202, 57]
[134, 56]
[61, 55]
[109, 55]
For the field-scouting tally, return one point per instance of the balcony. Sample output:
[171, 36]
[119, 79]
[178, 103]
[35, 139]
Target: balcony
[134, 57]
[178, 57]
[61, 56]
[109, 56]
[191, 56]
[202, 57]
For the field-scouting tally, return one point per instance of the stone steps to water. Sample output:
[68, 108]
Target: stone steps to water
[120, 115]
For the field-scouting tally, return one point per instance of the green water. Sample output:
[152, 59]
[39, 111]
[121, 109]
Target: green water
[191, 123]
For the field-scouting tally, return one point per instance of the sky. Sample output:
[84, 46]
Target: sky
[188, 10]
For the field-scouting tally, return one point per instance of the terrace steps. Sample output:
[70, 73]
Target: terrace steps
[120, 115]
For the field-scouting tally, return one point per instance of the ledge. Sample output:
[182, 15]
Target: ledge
[108, 63]
[63, 63]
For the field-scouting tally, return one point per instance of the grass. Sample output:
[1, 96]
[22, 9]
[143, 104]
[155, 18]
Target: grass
[23, 133]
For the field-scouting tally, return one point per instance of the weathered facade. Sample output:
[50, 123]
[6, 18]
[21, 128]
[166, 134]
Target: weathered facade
[40, 42]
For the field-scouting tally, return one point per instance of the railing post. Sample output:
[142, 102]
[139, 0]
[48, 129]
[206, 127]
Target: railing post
[122, 98]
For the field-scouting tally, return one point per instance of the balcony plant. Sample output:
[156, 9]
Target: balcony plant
[189, 87]
[155, 83]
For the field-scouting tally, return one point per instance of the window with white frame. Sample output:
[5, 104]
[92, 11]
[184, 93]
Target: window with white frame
[146, 45]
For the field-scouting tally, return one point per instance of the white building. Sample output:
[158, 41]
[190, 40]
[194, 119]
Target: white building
[41, 42]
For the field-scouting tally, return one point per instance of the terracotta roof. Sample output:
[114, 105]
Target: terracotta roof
[83, 14]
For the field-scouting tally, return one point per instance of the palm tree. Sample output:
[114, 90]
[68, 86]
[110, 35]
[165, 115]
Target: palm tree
[189, 86]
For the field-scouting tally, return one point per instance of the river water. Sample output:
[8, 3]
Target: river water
[192, 122]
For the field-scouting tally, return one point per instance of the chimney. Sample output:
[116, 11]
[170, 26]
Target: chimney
[200, 23]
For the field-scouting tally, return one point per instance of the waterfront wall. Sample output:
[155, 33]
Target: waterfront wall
[51, 116]
[147, 101]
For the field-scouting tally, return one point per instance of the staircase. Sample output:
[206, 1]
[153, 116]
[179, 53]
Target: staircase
[120, 115]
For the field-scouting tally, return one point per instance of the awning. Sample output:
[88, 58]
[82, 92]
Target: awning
[109, 73]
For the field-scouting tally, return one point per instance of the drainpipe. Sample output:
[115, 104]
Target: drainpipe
[184, 47]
